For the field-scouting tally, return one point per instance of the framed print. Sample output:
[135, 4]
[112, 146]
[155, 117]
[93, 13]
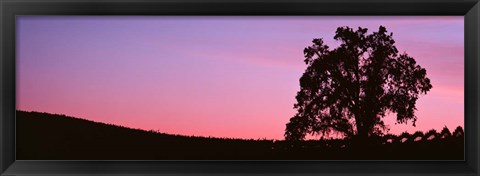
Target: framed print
[251, 87]
[223, 88]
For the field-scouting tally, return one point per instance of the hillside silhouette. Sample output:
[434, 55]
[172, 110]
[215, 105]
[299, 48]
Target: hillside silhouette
[44, 136]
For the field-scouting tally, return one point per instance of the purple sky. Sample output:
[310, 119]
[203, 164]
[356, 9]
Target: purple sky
[212, 76]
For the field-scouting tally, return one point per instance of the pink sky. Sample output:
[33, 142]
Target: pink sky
[212, 76]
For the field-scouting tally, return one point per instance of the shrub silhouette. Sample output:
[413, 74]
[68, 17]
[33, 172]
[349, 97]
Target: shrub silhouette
[347, 90]
[389, 138]
[404, 137]
[431, 134]
[417, 135]
[458, 132]
[445, 133]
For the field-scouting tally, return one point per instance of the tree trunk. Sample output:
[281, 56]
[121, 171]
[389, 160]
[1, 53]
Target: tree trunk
[362, 133]
[361, 139]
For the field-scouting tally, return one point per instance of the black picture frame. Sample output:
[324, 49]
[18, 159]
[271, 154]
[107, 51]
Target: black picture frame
[9, 9]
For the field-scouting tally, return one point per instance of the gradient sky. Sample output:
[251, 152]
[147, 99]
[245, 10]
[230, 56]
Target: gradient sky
[212, 76]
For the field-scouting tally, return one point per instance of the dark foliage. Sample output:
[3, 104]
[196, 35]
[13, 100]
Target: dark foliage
[349, 89]
[43, 136]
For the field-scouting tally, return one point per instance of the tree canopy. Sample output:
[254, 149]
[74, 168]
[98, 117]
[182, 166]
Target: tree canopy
[350, 89]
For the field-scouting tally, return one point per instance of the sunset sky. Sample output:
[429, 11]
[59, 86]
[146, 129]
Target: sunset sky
[212, 76]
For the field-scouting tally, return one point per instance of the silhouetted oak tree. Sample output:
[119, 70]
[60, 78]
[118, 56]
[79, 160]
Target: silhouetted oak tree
[348, 90]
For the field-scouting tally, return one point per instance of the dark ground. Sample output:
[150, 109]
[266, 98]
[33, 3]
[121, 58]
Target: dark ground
[42, 136]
